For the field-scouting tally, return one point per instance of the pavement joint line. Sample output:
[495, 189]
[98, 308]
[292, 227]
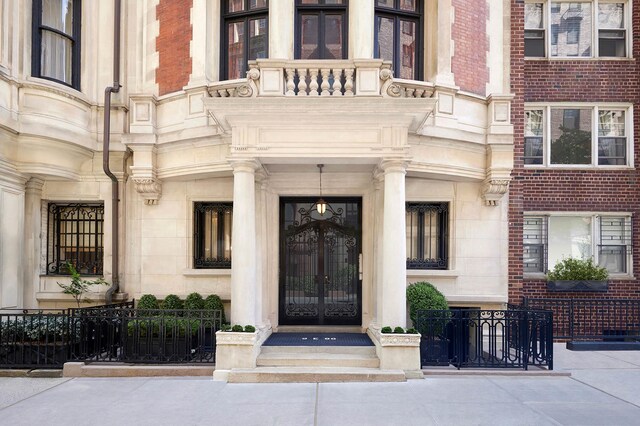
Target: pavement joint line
[605, 392]
[315, 410]
[621, 360]
[38, 393]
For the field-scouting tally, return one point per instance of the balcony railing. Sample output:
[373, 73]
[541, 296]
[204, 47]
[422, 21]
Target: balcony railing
[321, 78]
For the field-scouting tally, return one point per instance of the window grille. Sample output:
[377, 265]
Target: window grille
[427, 235]
[212, 235]
[75, 235]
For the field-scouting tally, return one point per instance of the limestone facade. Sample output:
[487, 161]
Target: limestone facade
[252, 141]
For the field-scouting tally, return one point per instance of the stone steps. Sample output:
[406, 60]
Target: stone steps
[317, 359]
[314, 375]
[353, 350]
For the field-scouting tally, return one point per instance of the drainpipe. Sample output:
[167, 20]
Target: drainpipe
[115, 88]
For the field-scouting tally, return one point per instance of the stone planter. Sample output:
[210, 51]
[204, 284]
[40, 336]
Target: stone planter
[578, 286]
[398, 351]
[237, 350]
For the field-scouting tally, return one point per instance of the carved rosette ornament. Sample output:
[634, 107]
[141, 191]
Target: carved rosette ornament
[150, 189]
[493, 191]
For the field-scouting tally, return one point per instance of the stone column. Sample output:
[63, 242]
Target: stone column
[243, 266]
[394, 257]
[378, 185]
[32, 241]
[261, 246]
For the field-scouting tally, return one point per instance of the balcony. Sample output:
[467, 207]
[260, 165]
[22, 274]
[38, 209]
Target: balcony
[317, 78]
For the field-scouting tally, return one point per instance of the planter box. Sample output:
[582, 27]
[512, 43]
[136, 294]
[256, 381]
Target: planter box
[578, 286]
[152, 349]
[33, 354]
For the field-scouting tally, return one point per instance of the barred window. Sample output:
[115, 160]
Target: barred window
[212, 235]
[549, 239]
[427, 235]
[75, 235]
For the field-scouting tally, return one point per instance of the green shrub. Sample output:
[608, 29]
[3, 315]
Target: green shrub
[577, 269]
[148, 301]
[237, 328]
[249, 329]
[386, 329]
[423, 295]
[412, 331]
[194, 302]
[172, 302]
[214, 303]
[398, 330]
[225, 327]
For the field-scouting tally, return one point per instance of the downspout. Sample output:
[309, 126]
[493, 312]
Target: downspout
[115, 88]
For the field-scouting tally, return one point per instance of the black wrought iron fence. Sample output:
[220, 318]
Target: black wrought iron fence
[512, 338]
[146, 336]
[34, 338]
[592, 319]
[108, 333]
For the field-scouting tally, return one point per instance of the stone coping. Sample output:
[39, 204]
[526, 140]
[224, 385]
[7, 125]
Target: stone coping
[393, 339]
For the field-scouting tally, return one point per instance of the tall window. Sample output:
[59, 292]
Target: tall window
[55, 53]
[321, 29]
[579, 29]
[245, 35]
[75, 234]
[547, 239]
[427, 235]
[212, 235]
[398, 36]
[577, 135]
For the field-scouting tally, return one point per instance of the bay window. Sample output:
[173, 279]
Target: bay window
[398, 36]
[245, 35]
[55, 49]
[321, 29]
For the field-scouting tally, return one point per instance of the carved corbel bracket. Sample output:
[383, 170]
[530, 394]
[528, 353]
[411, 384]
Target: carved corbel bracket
[493, 190]
[149, 188]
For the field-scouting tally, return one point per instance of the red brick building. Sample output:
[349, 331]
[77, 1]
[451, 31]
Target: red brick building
[574, 191]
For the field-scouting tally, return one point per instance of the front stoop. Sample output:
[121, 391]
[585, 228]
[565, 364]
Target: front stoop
[316, 364]
[314, 375]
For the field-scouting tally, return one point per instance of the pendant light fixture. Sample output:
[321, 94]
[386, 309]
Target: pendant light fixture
[321, 205]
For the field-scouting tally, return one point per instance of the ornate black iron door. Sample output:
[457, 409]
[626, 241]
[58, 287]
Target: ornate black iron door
[319, 263]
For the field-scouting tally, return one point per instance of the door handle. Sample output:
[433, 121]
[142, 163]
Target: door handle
[360, 266]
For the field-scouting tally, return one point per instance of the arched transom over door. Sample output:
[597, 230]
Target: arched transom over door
[320, 262]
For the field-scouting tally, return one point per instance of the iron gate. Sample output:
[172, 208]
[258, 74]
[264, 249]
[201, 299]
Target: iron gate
[319, 262]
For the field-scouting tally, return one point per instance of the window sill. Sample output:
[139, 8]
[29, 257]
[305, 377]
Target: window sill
[206, 272]
[452, 273]
[577, 167]
[580, 59]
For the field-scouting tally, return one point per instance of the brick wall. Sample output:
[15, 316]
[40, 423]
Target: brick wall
[590, 80]
[469, 34]
[172, 44]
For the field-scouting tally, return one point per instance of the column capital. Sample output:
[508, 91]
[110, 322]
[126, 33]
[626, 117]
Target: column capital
[249, 165]
[34, 185]
[393, 166]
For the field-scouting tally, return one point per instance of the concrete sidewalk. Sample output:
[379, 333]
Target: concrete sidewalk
[604, 389]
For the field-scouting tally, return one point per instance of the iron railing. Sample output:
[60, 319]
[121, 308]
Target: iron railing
[108, 333]
[513, 338]
[34, 338]
[592, 319]
[146, 336]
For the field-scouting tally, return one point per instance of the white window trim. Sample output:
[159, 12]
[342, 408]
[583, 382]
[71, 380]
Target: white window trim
[595, 107]
[595, 231]
[628, 27]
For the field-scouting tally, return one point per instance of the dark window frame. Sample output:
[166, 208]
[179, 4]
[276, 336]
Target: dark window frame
[398, 15]
[59, 213]
[243, 16]
[419, 261]
[36, 43]
[200, 209]
[321, 10]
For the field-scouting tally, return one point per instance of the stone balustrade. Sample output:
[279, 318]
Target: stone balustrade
[321, 78]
